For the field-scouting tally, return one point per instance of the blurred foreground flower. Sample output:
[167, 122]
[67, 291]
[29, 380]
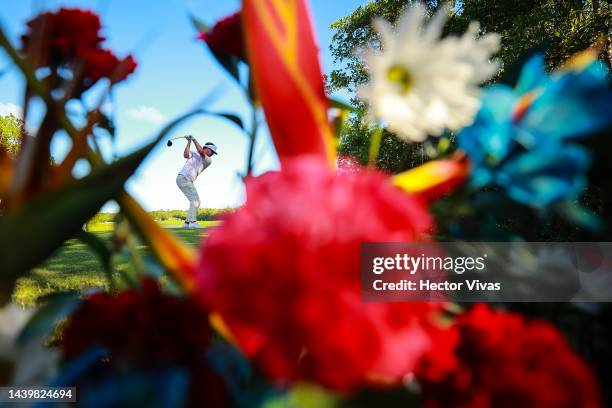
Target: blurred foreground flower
[501, 360]
[421, 84]
[145, 330]
[23, 363]
[348, 166]
[56, 38]
[286, 72]
[12, 320]
[434, 179]
[521, 138]
[104, 64]
[293, 249]
[70, 38]
[226, 36]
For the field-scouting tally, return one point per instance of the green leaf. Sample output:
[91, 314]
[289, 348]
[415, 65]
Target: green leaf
[97, 245]
[338, 104]
[32, 231]
[229, 62]
[58, 306]
[230, 116]
[199, 25]
[375, 146]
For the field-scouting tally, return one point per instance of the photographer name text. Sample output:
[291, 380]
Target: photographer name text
[427, 264]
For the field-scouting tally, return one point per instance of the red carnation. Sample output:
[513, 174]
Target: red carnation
[501, 360]
[58, 38]
[147, 329]
[70, 38]
[226, 36]
[283, 272]
[125, 68]
[104, 64]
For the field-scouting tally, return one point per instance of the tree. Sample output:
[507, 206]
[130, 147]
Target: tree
[565, 27]
[394, 155]
[12, 130]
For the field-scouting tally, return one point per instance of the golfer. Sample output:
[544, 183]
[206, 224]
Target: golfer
[197, 161]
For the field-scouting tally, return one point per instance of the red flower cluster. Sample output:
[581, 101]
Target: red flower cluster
[63, 36]
[283, 272]
[104, 64]
[72, 37]
[147, 329]
[226, 36]
[497, 359]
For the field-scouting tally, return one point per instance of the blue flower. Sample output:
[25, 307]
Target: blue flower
[523, 138]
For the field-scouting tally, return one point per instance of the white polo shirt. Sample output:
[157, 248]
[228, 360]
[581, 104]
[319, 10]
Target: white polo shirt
[195, 165]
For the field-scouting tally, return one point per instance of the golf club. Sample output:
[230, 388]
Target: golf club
[180, 137]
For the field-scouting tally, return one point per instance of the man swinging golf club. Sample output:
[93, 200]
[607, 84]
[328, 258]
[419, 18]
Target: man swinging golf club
[197, 161]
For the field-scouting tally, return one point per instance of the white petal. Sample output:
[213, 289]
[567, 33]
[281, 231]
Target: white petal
[444, 75]
[410, 23]
[435, 25]
[385, 31]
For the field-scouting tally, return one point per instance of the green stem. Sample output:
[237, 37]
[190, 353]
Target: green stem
[253, 137]
[136, 259]
[375, 146]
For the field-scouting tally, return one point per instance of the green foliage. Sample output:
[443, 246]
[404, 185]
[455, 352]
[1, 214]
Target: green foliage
[394, 155]
[354, 32]
[566, 27]
[204, 214]
[12, 133]
[12, 130]
[60, 214]
[569, 26]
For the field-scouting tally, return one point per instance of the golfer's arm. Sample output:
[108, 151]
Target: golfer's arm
[187, 152]
[198, 147]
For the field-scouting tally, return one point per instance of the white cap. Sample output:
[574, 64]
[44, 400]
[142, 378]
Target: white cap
[211, 146]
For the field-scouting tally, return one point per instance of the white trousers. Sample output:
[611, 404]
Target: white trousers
[191, 193]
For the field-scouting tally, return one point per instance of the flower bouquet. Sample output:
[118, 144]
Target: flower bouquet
[269, 312]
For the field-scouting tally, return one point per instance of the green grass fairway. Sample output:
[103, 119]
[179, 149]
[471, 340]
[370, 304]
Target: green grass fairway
[75, 267]
[109, 226]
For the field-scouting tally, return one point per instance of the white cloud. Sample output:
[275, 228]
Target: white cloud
[10, 108]
[146, 113]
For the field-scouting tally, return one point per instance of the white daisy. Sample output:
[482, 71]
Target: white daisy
[421, 84]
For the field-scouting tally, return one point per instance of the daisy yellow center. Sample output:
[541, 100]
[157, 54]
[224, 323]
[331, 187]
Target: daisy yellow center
[400, 75]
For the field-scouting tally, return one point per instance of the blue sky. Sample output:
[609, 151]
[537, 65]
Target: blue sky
[175, 72]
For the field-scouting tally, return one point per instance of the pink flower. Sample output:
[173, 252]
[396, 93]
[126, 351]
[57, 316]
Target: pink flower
[283, 272]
